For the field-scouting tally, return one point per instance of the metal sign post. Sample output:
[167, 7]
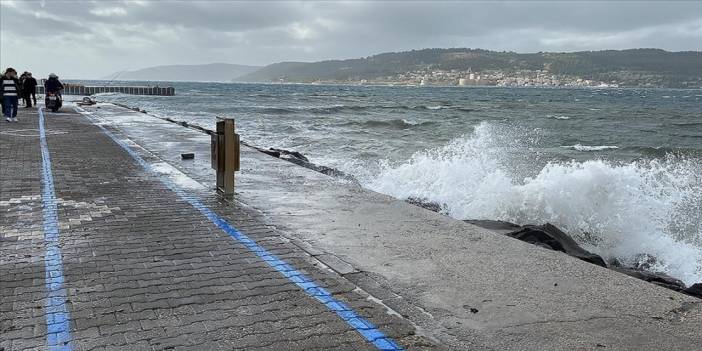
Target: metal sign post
[225, 156]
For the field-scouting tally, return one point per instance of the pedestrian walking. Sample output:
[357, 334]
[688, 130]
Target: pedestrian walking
[10, 90]
[2, 101]
[29, 88]
[22, 77]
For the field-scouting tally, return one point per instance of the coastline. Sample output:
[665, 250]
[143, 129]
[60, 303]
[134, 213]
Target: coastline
[552, 239]
[429, 267]
[357, 84]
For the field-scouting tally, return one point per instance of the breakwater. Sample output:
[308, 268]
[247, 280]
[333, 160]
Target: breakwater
[74, 89]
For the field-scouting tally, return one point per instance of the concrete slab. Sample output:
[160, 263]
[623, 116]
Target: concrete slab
[466, 286]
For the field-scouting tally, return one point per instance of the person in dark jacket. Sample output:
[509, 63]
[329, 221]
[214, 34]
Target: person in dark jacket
[22, 77]
[53, 85]
[10, 90]
[29, 87]
[2, 101]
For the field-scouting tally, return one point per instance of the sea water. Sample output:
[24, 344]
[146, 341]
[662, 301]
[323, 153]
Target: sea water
[618, 169]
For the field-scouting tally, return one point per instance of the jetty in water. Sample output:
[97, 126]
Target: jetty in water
[77, 89]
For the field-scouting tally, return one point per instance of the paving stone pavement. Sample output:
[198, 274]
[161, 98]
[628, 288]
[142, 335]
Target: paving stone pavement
[143, 269]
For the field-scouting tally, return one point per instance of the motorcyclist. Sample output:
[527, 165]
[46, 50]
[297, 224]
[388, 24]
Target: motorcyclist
[53, 85]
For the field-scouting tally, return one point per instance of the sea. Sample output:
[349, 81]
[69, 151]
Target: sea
[619, 169]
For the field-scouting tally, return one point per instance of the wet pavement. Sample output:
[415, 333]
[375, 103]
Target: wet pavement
[100, 249]
[467, 287]
[128, 248]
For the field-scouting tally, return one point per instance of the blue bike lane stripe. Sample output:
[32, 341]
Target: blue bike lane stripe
[364, 327]
[58, 320]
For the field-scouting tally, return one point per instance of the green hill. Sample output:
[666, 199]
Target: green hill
[635, 67]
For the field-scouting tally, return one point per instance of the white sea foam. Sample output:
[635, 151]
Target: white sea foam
[561, 117]
[107, 94]
[580, 147]
[615, 210]
[176, 176]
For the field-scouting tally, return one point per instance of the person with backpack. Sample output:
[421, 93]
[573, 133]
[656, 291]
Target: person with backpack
[10, 89]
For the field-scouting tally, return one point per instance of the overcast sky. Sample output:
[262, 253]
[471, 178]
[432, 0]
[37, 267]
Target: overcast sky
[91, 39]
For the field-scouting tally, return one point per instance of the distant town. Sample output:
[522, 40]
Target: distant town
[522, 78]
[467, 67]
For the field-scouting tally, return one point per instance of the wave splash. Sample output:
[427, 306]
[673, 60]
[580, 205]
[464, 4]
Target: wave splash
[616, 210]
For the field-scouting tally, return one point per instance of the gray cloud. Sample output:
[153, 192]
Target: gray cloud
[95, 38]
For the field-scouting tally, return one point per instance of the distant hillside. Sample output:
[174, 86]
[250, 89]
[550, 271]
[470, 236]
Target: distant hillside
[213, 72]
[635, 67]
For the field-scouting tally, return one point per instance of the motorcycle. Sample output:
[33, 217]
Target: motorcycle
[53, 101]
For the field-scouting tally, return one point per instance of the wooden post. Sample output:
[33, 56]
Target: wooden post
[225, 156]
[229, 157]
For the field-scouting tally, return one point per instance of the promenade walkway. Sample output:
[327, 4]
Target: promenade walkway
[108, 240]
[99, 251]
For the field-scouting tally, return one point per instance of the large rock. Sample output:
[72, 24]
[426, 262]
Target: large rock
[694, 290]
[645, 262]
[660, 279]
[501, 227]
[300, 160]
[290, 155]
[550, 237]
[424, 203]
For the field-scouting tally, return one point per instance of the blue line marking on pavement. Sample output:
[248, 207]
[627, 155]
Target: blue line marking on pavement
[369, 331]
[58, 320]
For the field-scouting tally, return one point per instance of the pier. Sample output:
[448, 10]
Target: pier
[111, 240]
[75, 89]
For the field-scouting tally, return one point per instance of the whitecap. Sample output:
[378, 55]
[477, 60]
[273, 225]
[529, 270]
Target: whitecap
[580, 147]
[411, 123]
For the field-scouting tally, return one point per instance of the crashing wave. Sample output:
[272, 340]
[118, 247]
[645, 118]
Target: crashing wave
[622, 211]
